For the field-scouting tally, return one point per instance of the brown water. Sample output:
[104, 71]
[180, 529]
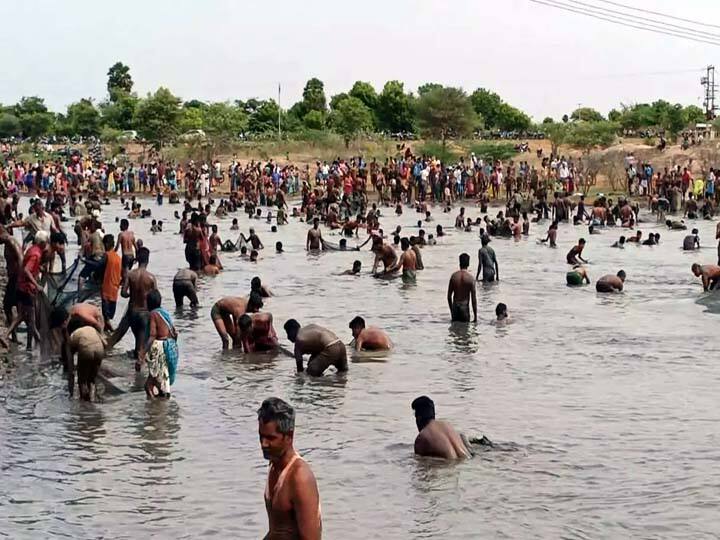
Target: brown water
[610, 401]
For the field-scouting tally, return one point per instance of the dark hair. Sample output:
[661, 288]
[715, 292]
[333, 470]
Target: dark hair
[404, 243]
[357, 263]
[424, 407]
[243, 250]
[108, 241]
[278, 246]
[255, 284]
[58, 316]
[291, 325]
[621, 274]
[357, 321]
[143, 255]
[124, 224]
[276, 410]
[154, 299]
[464, 260]
[500, 309]
[255, 300]
[245, 322]
[581, 241]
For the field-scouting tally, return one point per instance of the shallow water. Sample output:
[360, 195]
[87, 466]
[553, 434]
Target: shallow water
[611, 400]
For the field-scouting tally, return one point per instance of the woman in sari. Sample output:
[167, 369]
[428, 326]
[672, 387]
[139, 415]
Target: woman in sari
[162, 357]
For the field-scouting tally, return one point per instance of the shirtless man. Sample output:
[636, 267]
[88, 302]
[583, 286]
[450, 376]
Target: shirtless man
[126, 240]
[610, 283]
[354, 271]
[256, 333]
[691, 241]
[185, 286]
[292, 500]
[226, 313]
[574, 256]
[461, 290]
[487, 262]
[314, 237]
[576, 276]
[383, 253]
[710, 274]
[257, 286]
[13, 259]
[323, 346]
[138, 284]
[552, 234]
[368, 338]
[437, 438]
[407, 263]
[211, 268]
[414, 245]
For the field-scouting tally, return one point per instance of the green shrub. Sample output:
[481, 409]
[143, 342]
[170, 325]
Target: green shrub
[491, 151]
[435, 149]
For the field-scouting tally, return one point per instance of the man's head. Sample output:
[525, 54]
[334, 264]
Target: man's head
[245, 325]
[357, 325]
[696, 269]
[694, 231]
[255, 302]
[622, 240]
[58, 316]
[638, 235]
[108, 242]
[255, 284]
[278, 247]
[424, 411]
[404, 243]
[501, 311]
[253, 256]
[143, 256]
[485, 240]
[292, 327]
[154, 299]
[243, 250]
[621, 275]
[276, 428]
[465, 261]
[357, 265]
[316, 223]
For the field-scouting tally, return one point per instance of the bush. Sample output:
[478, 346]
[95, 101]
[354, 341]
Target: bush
[110, 135]
[490, 151]
[434, 149]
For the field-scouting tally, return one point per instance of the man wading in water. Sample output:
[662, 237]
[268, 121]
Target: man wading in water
[461, 290]
[292, 500]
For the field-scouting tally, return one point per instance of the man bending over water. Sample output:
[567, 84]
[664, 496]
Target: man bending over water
[574, 256]
[610, 283]
[368, 338]
[256, 332]
[437, 438]
[710, 274]
[292, 500]
[323, 346]
[461, 289]
[226, 313]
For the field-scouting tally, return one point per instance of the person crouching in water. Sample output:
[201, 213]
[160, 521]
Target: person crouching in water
[162, 354]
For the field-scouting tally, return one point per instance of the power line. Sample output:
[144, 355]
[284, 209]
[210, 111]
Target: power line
[658, 13]
[623, 23]
[663, 24]
[608, 76]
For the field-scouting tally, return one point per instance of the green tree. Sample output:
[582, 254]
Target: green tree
[350, 117]
[35, 119]
[222, 123]
[157, 117]
[119, 79]
[365, 92]
[548, 120]
[694, 114]
[190, 118]
[442, 111]
[588, 135]
[9, 125]
[427, 87]
[313, 97]
[587, 114]
[336, 99]
[83, 118]
[314, 120]
[511, 119]
[487, 104]
[120, 112]
[614, 115]
[395, 108]
[262, 115]
[556, 134]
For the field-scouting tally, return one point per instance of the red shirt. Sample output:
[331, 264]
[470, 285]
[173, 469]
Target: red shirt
[31, 262]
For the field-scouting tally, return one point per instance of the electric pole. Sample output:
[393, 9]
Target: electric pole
[708, 82]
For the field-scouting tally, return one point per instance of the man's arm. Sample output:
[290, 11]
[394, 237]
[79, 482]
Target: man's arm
[298, 358]
[473, 297]
[480, 262]
[307, 242]
[705, 282]
[117, 242]
[450, 295]
[306, 504]
[497, 268]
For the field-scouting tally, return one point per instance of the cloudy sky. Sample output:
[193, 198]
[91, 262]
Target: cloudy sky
[544, 60]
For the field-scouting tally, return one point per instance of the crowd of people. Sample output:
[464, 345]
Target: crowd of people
[340, 196]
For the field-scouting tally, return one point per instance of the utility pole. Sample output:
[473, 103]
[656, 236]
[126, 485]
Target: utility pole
[279, 135]
[708, 82]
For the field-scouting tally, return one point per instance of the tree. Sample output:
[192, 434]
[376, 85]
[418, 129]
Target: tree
[313, 97]
[427, 87]
[395, 108]
[587, 114]
[350, 117]
[83, 118]
[588, 135]
[548, 120]
[314, 120]
[262, 115]
[694, 114]
[336, 99]
[614, 115]
[157, 117]
[190, 118]
[556, 134]
[119, 79]
[365, 92]
[488, 105]
[120, 112]
[511, 119]
[442, 111]
[9, 125]
[222, 122]
[35, 119]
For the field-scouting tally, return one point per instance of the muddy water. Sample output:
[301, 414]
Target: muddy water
[611, 401]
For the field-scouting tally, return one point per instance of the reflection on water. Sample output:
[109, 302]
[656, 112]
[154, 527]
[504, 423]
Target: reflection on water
[610, 399]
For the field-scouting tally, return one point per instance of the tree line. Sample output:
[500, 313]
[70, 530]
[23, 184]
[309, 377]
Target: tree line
[435, 111]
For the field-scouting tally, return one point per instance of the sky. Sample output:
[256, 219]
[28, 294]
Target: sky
[543, 60]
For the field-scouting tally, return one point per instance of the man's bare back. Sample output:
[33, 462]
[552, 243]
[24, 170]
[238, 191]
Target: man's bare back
[140, 283]
[439, 439]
